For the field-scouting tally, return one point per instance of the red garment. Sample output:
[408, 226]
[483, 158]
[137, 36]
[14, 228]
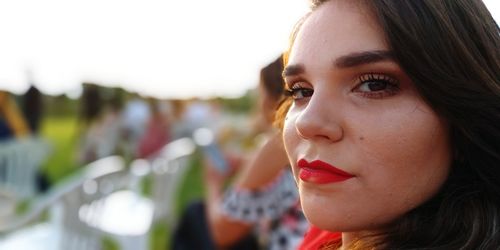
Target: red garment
[155, 137]
[315, 237]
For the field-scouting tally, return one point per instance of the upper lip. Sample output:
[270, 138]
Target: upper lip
[318, 164]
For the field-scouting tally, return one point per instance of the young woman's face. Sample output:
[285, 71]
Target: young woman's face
[364, 147]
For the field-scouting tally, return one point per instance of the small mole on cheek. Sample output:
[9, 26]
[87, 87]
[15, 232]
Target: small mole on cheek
[361, 138]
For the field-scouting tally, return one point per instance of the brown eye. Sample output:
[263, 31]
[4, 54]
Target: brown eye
[300, 93]
[376, 86]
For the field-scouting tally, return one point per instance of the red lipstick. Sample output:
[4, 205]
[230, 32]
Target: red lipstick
[320, 172]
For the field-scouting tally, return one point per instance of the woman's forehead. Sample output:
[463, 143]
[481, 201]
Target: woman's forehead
[337, 29]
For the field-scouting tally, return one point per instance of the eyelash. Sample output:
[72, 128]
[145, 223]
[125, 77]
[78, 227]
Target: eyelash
[296, 89]
[391, 87]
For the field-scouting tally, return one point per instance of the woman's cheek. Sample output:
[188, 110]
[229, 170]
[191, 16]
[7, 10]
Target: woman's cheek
[290, 139]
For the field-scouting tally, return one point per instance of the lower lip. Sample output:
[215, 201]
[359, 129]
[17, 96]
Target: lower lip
[320, 176]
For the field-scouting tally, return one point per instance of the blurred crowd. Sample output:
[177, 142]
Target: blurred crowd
[112, 122]
[20, 116]
[243, 159]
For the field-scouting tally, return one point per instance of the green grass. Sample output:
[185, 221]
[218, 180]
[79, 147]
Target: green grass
[61, 132]
[192, 188]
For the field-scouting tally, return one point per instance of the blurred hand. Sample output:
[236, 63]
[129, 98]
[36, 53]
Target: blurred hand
[213, 176]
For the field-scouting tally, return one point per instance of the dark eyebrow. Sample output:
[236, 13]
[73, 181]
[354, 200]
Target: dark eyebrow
[350, 60]
[292, 70]
[365, 57]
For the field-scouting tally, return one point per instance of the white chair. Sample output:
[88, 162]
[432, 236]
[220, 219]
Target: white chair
[166, 169]
[72, 203]
[124, 216]
[82, 208]
[20, 160]
[105, 201]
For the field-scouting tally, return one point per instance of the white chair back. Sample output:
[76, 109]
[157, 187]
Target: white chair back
[168, 169]
[74, 203]
[20, 161]
[78, 203]
[82, 206]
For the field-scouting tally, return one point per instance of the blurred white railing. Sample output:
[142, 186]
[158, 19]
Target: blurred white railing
[103, 199]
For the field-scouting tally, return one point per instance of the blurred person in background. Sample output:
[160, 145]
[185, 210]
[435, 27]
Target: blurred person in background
[15, 126]
[32, 106]
[135, 116]
[157, 132]
[260, 208]
[102, 124]
[90, 104]
[194, 114]
[12, 121]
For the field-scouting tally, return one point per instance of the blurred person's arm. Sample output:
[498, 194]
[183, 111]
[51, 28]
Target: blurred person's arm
[263, 168]
[13, 116]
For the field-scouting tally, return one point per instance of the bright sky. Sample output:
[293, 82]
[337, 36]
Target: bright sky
[163, 48]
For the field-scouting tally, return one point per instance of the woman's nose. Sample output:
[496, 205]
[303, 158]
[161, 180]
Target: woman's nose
[320, 120]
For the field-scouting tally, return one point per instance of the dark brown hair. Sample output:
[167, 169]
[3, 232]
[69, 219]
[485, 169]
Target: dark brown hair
[271, 80]
[451, 51]
[274, 84]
